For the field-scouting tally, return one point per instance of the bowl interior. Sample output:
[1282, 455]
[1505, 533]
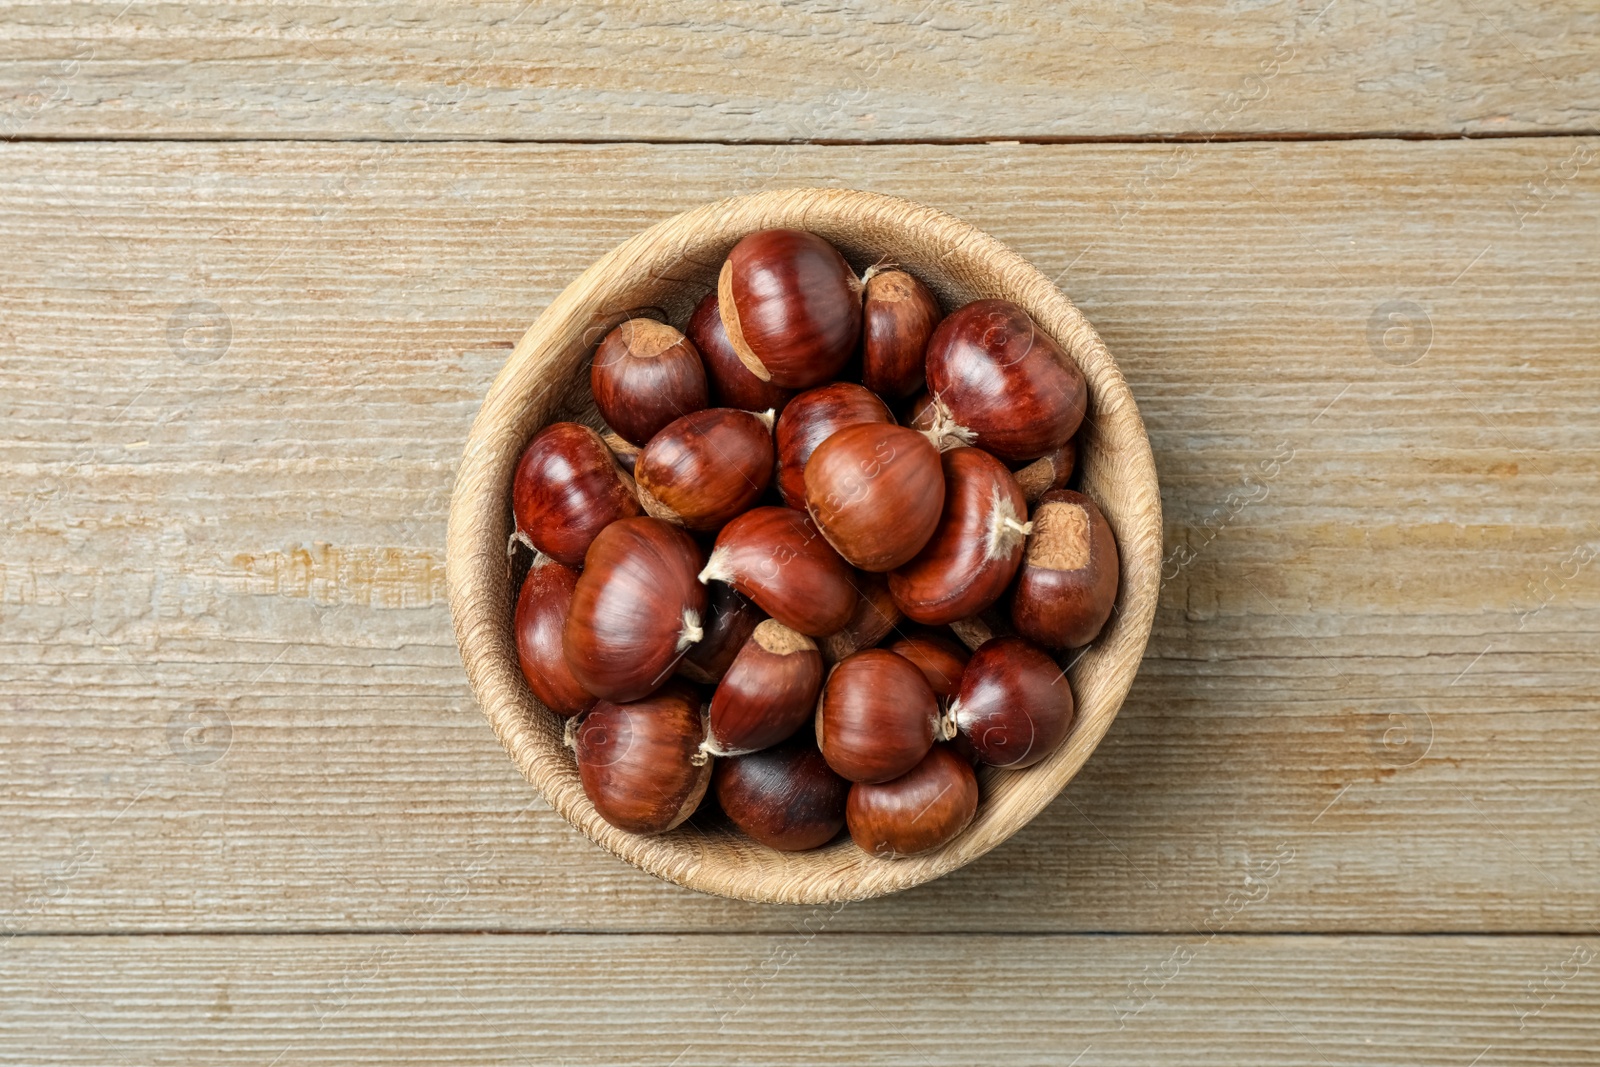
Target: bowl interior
[665, 270]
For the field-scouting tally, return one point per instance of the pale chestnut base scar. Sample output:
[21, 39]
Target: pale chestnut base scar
[1060, 540]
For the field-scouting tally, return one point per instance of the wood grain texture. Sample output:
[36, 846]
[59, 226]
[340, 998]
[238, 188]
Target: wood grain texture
[805, 998]
[235, 384]
[909, 70]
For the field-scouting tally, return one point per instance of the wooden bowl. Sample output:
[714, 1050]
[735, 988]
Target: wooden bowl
[669, 267]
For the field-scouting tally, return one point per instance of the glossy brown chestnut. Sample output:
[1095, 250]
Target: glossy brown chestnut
[730, 620]
[791, 307]
[636, 607]
[1003, 384]
[974, 551]
[898, 315]
[877, 718]
[787, 798]
[567, 488]
[732, 383]
[870, 623]
[1047, 472]
[917, 812]
[1067, 584]
[705, 468]
[937, 654]
[645, 374]
[1014, 706]
[640, 762]
[810, 419]
[776, 557]
[769, 692]
[876, 492]
[542, 607]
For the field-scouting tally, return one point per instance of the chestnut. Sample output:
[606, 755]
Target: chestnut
[878, 716]
[635, 608]
[787, 798]
[1002, 383]
[874, 617]
[705, 468]
[541, 613]
[1067, 584]
[776, 557]
[768, 693]
[566, 489]
[1014, 706]
[898, 315]
[791, 306]
[1050, 471]
[644, 375]
[876, 492]
[920, 413]
[810, 419]
[729, 622]
[640, 762]
[939, 656]
[916, 812]
[974, 551]
[732, 383]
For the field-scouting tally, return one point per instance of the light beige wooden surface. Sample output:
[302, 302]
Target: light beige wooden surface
[234, 380]
[910, 70]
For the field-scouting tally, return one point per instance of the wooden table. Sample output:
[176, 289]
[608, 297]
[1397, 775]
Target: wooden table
[261, 263]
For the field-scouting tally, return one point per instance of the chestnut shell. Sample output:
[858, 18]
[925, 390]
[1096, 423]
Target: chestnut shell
[1014, 707]
[635, 609]
[791, 307]
[644, 375]
[732, 383]
[542, 607]
[787, 798]
[810, 419]
[917, 812]
[876, 493]
[877, 718]
[1005, 380]
[640, 762]
[566, 489]
[1067, 584]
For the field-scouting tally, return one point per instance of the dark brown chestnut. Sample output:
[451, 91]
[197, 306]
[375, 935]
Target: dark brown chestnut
[769, 692]
[640, 762]
[730, 620]
[898, 315]
[1067, 584]
[974, 551]
[875, 491]
[810, 419]
[1014, 706]
[705, 468]
[878, 716]
[870, 623]
[635, 609]
[939, 656]
[791, 307]
[567, 488]
[542, 607]
[1001, 383]
[787, 798]
[645, 374]
[776, 557]
[1048, 472]
[732, 383]
[922, 809]
[920, 413]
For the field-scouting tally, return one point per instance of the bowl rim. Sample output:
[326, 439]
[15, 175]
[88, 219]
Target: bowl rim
[539, 382]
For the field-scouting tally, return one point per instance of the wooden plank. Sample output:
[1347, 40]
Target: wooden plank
[232, 702]
[713, 70]
[807, 997]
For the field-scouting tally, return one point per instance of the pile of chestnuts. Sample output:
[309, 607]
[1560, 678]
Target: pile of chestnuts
[820, 561]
